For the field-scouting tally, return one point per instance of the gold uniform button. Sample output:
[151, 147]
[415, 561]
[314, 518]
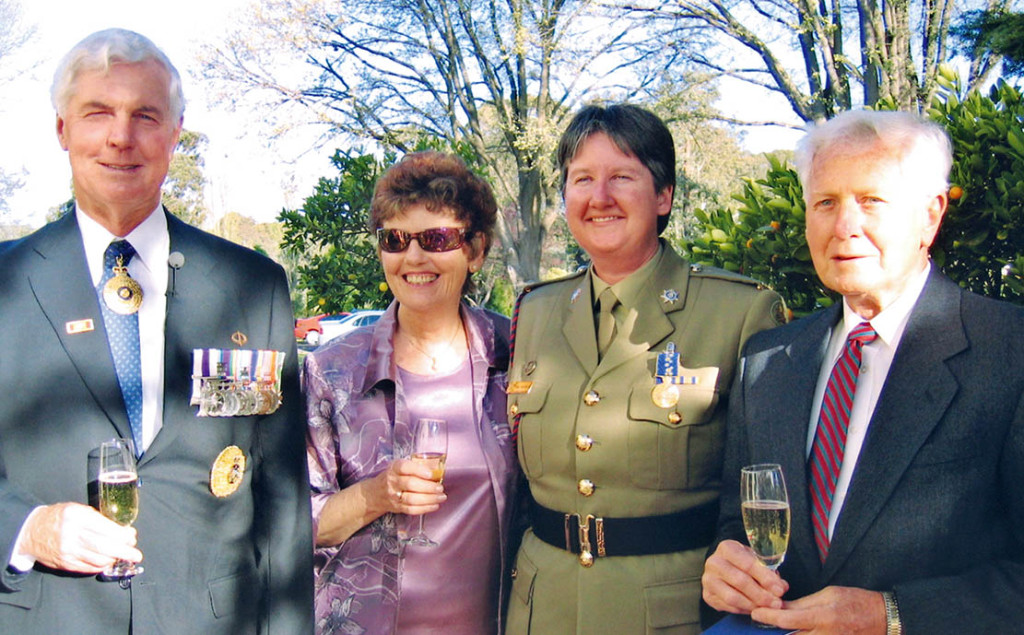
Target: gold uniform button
[674, 417]
[586, 559]
[584, 442]
[513, 409]
[586, 487]
[591, 398]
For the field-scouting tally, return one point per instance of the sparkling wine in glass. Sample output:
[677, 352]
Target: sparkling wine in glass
[430, 448]
[119, 495]
[765, 507]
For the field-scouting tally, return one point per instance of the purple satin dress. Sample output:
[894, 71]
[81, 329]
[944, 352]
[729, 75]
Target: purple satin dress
[460, 576]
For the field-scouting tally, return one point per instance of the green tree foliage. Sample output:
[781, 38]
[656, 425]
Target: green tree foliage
[264, 238]
[334, 254]
[341, 270]
[980, 244]
[981, 241]
[764, 238]
[997, 33]
[183, 188]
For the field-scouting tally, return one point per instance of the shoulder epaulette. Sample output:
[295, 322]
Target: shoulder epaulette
[530, 286]
[705, 271]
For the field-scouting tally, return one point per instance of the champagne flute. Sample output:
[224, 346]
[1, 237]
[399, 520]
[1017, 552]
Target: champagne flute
[430, 448]
[765, 507]
[119, 495]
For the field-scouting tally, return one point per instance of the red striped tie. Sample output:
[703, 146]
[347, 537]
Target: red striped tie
[830, 437]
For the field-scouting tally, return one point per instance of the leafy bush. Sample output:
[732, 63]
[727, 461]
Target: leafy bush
[764, 239]
[981, 241]
[980, 244]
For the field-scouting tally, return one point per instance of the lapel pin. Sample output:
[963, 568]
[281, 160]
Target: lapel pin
[239, 338]
[669, 296]
[575, 295]
[79, 326]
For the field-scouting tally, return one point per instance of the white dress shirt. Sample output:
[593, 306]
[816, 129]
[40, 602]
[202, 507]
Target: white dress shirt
[874, 369]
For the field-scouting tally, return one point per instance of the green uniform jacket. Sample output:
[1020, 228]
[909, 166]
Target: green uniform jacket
[644, 459]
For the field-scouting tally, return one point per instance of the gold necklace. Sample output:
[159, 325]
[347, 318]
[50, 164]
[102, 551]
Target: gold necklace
[433, 359]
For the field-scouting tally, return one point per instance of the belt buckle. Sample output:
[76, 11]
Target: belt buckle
[586, 556]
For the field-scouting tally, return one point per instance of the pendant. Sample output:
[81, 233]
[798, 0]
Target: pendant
[122, 294]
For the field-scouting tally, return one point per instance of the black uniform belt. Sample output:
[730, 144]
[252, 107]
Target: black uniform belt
[681, 531]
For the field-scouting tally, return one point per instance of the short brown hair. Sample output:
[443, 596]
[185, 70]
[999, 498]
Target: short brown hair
[440, 182]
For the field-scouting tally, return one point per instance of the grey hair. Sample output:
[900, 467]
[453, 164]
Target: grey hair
[97, 52]
[918, 143]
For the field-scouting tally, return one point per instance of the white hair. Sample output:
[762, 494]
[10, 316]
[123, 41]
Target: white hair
[919, 144]
[97, 52]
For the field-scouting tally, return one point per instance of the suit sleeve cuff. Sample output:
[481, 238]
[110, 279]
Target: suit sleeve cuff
[22, 562]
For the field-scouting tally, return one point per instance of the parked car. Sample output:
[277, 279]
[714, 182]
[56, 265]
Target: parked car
[309, 329]
[332, 327]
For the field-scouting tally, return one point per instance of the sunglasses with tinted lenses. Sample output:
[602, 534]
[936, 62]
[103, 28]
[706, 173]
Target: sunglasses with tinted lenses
[435, 239]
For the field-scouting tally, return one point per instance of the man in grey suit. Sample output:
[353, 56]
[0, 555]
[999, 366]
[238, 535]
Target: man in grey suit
[907, 512]
[213, 404]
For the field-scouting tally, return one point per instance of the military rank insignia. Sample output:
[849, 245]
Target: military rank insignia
[236, 383]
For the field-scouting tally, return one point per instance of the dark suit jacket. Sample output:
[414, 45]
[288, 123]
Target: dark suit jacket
[935, 508]
[240, 564]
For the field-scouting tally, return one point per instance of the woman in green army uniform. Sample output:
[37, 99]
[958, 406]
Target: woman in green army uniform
[619, 386]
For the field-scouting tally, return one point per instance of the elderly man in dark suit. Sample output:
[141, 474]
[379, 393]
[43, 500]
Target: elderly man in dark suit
[187, 325]
[904, 476]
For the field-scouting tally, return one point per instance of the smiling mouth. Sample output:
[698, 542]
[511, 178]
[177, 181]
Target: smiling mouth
[121, 168]
[420, 278]
[603, 219]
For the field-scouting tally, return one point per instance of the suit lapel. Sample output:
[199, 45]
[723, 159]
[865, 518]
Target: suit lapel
[196, 318]
[186, 312]
[789, 388]
[578, 326]
[916, 394]
[63, 288]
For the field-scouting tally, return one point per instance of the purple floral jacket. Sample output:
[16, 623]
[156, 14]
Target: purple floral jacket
[357, 424]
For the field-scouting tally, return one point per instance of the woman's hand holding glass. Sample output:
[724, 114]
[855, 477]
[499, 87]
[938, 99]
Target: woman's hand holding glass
[408, 487]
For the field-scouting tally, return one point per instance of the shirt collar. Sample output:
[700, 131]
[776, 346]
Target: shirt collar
[628, 289]
[890, 321]
[150, 239]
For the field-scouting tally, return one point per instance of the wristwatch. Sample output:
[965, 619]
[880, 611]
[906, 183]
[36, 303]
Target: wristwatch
[893, 625]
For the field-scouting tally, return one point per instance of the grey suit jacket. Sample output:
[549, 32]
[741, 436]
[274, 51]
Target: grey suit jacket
[239, 564]
[935, 508]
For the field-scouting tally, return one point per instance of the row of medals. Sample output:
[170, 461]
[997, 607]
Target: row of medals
[236, 398]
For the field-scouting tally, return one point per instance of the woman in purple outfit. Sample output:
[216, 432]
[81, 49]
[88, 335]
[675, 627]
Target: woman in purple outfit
[430, 355]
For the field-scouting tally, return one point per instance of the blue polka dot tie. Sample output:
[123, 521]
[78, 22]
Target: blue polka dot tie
[123, 339]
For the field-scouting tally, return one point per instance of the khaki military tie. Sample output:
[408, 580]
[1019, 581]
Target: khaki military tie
[606, 303]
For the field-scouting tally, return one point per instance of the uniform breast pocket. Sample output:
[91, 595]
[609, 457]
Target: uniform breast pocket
[529, 407]
[660, 437]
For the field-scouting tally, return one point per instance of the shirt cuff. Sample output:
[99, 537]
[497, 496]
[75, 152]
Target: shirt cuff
[22, 562]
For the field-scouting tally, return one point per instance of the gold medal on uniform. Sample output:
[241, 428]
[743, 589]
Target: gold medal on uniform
[122, 294]
[665, 393]
[227, 472]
